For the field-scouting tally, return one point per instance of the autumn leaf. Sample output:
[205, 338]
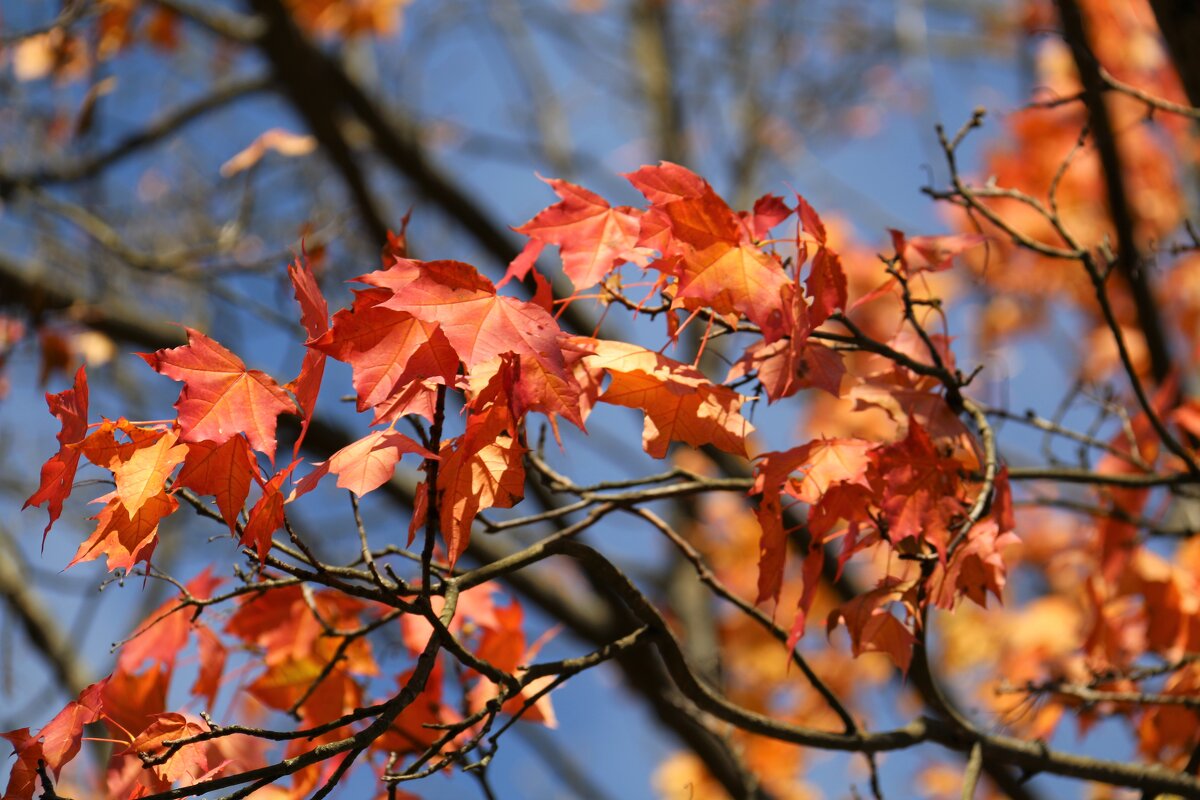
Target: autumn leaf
[188, 763]
[266, 517]
[221, 470]
[977, 568]
[825, 464]
[481, 326]
[920, 496]
[132, 700]
[872, 626]
[680, 403]
[786, 366]
[769, 211]
[667, 182]
[23, 779]
[314, 315]
[810, 221]
[220, 397]
[718, 266]
[125, 539]
[365, 465]
[814, 564]
[387, 350]
[593, 237]
[102, 447]
[826, 285]
[145, 474]
[481, 469]
[61, 736]
[58, 473]
[526, 260]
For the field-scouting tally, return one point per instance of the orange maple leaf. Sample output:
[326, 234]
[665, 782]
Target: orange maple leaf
[710, 250]
[145, 474]
[680, 402]
[125, 539]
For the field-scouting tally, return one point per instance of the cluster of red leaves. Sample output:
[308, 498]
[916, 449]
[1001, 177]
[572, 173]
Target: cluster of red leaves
[422, 330]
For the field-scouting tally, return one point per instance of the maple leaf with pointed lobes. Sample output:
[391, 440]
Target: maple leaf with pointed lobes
[61, 736]
[921, 487]
[593, 237]
[769, 211]
[679, 401]
[387, 350]
[220, 397]
[58, 473]
[131, 700]
[826, 285]
[710, 251]
[23, 779]
[810, 220]
[365, 465]
[125, 539]
[667, 182]
[189, 762]
[977, 567]
[872, 626]
[482, 326]
[102, 447]
[786, 366]
[221, 470]
[145, 474]
[826, 464]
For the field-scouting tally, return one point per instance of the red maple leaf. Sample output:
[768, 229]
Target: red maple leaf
[61, 736]
[220, 397]
[58, 473]
[365, 465]
[872, 626]
[481, 469]
[314, 315]
[266, 517]
[482, 326]
[710, 251]
[387, 350]
[221, 470]
[593, 237]
[825, 464]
